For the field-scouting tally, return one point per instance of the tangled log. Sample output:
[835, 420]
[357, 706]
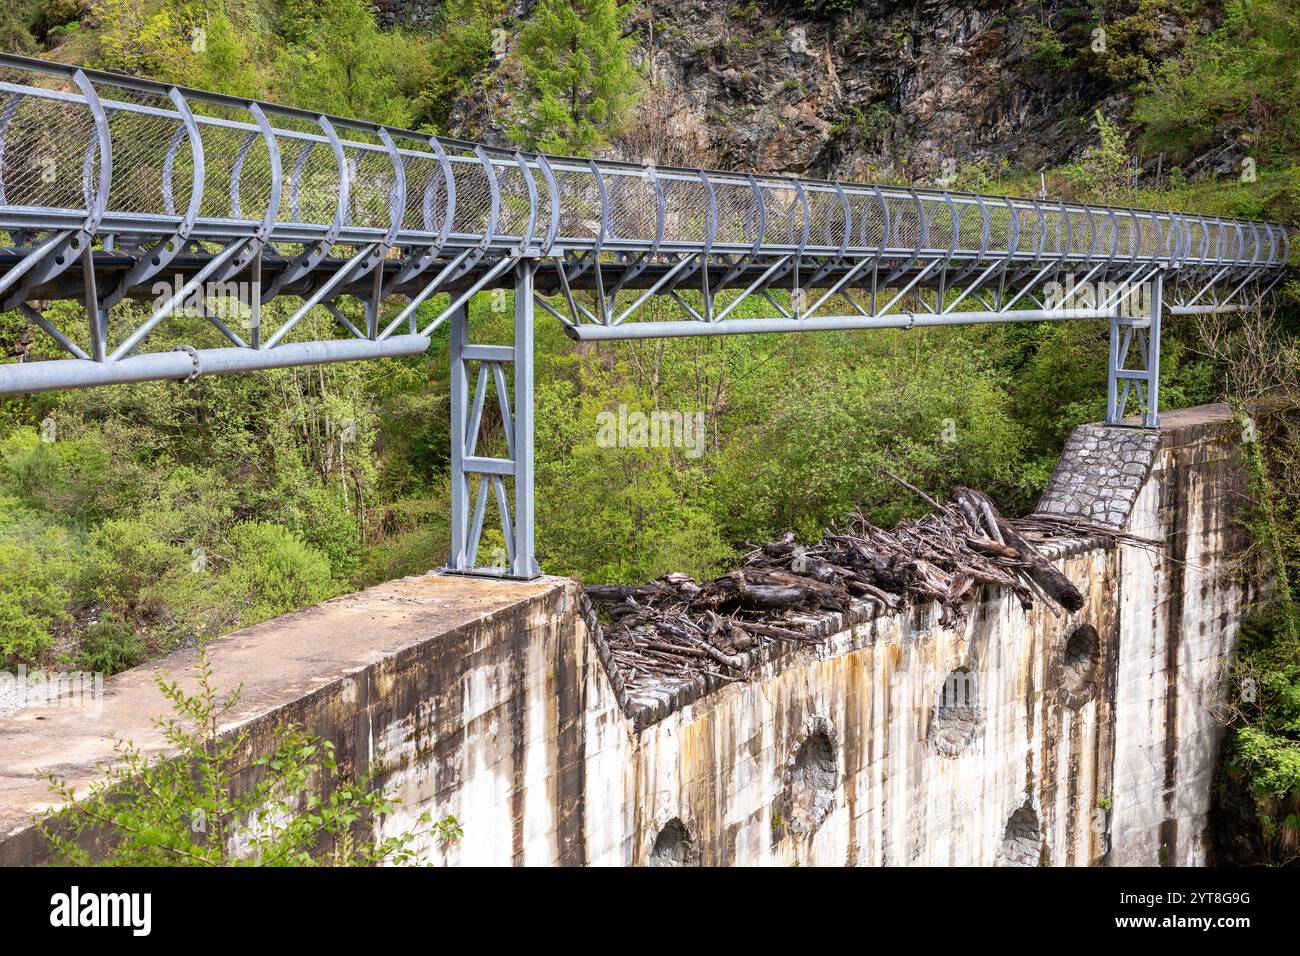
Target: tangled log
[676, 627]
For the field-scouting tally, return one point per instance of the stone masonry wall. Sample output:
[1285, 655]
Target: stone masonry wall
[405, 13]
[1100, 472]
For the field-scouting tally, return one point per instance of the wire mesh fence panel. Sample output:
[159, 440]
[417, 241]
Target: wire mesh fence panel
[581, 210]
[51, 153]
[426, 194]
[686, 209]
[738, 213]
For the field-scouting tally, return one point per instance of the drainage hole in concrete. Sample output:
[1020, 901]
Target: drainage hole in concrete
[673, 846]
[813, 782]
[957, 717]
[1022, 843]
[1079, 666]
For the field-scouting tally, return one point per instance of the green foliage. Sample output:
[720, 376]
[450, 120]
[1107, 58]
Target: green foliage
[345, 64]
[575, 84]
[1267, 525]
[1047, 51]
[647, 512]
[1131, 47]
[1263, 748]
[328, 55]
[198, 808]
[272, 571]
[1103, 173]
[148, 486]
[816, 448]
[38, 575]
[978, 177]
[295, 18]
[109, 645]
[151, 37]
[414, 536]
[58, 18]
[16, 27]
[872, 125]
[85, 475]
[462, 54]
[223, 62]
[1240, 79]
[130, 569]
[830, 8]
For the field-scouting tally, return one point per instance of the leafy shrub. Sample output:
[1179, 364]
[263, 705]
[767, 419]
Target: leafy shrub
[84, 475]
[1131, 49]
[129, 565]
[1102, 173]
[52, 14]
[271, 571]
[1047, 51]
[1241, 77]
[108, 646]
[193, 810]
[38, 571]
[345, 64]
[575, 82]
[830, 8]
[137, 36]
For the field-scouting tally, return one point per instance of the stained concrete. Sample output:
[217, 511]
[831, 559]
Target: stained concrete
[494, 701]
[331, 668]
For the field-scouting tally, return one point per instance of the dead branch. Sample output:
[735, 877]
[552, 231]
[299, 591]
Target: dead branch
[676, 628]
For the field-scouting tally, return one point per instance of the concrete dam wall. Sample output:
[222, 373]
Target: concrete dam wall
[1016, 738]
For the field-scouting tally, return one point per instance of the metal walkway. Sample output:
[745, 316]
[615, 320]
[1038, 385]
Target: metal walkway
[117, 188]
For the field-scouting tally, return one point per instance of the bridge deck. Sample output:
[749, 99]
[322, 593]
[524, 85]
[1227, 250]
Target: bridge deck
[109, 183]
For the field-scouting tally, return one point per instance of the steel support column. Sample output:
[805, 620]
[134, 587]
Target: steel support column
[459, 373]
[475, 478]
[1136, 322]
[524, 559]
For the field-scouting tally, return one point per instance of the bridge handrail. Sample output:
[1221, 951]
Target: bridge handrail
[507, 196]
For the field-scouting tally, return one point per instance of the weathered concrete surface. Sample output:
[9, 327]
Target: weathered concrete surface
[1178, 614]
[338, 669]
[1016, 739]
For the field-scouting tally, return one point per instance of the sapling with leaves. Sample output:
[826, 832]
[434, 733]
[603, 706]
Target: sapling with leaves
[189, 809]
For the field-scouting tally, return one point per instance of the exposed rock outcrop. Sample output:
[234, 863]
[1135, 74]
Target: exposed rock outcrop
[878, 90]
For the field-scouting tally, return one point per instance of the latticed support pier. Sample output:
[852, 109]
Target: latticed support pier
[478, 483]
[1135, 338]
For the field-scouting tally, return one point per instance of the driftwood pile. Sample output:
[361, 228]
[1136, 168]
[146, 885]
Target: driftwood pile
[675, 627]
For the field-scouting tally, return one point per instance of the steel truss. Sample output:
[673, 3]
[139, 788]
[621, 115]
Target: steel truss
[112, 188]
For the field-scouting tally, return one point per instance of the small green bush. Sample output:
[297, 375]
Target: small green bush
[37, 578]
[271, 572]
[201, 807]
[129, 566]
[108, 646]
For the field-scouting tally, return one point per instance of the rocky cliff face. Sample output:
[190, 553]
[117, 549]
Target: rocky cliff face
[411, 14]
[872, 89]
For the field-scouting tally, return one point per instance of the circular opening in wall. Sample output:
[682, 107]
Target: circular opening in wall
[957, 717]
[1079, 666]
[673, 846]
[1022, 842]
[813, 777]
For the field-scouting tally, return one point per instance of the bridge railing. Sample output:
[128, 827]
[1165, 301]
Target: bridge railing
[149, 158]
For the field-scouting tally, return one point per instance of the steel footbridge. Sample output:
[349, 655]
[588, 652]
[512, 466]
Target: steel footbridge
[115, 188]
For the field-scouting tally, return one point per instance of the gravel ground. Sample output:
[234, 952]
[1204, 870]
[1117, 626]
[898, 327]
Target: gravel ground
[15, 694]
